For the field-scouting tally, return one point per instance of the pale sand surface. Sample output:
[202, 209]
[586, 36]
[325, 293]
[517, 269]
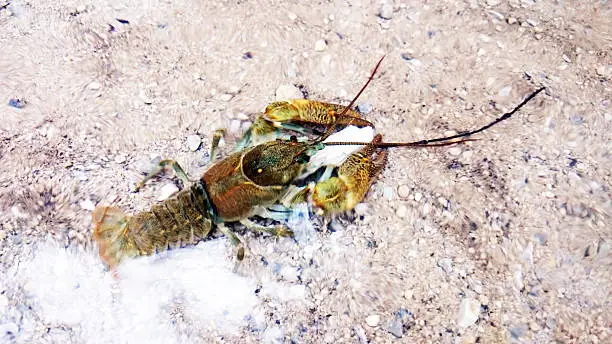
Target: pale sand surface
[516, 226]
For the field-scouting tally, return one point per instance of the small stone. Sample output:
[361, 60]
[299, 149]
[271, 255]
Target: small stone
[403, 191]
[542, 238]
[493, 2]
[504, 92]
[388, 193]
[17, 103]
[361, 209]
[566, 59]
[408, 294]
[273, 334]
[418, 196]
[467, 155]
[497, 15]
[401, 211]
[87, 205]
[517, 332]
[446, 264]
[396, 328]
[235, 127]
[226, 97]
[548, 194]
[4, 302]
[602, 70]
[512, 20]
[518, 279]
[364, 108]
[454, 151]
[386, 11]
[166, 191]
[193, 142]
[468, 339]
[120, 159]
[373, 320]
[443, 201]
[94, 86]
[288, 91]
[469, 310]
[8, 330]
[407, 56]
[292, 16]
[320, 45]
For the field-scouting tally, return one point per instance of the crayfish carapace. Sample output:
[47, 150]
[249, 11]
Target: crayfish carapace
[261, 174]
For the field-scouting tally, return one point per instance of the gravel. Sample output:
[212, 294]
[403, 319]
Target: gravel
[193, 142]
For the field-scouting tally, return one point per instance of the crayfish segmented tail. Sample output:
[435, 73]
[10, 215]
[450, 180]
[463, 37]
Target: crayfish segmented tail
[179, 221]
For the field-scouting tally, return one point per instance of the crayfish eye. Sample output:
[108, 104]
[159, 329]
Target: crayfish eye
[293, 139]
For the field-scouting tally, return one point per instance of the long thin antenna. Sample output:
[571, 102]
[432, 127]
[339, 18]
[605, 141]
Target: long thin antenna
[431, 142]
[331, 129]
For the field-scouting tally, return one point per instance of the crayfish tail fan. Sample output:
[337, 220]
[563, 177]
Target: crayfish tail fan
[111, 233]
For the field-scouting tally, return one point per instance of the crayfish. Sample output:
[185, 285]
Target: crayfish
[261, 175]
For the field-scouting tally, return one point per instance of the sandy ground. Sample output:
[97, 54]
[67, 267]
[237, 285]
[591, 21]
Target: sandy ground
[506, 239]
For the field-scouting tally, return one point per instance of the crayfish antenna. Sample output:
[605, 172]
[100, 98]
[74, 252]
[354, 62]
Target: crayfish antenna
[332, 128]
[447, 140]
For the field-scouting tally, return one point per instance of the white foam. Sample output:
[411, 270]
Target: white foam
[70, 287]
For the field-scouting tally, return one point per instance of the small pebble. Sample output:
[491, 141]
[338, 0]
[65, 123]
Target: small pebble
[4, 302]
[17, 103]
[407, 56]
[373, 320]
[320, 45]
[226, 97]
[408, 294]
[9, 329]
[443, 201]
[386, 11]
[401, 211]
[403, 191]
[602, 70]
[288, 91]
[446, 264]
[87, 205]
[166, 191]
[120, 159]
[454, 151]
[469, 310]
[94, 86]
[566, 59]
[292, 16]
[396, 328]
[511, 20]
[388, 193]
[234, 127]
[364, 108]
[504, 92]
[493, 2]
[193, 142]
[542, 238]
[418, 196]
[361, 209]
[273, 334]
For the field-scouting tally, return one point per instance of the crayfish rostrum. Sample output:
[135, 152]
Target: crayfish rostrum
[262, 174]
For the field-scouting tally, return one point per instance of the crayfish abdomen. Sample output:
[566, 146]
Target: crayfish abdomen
[178, 221]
